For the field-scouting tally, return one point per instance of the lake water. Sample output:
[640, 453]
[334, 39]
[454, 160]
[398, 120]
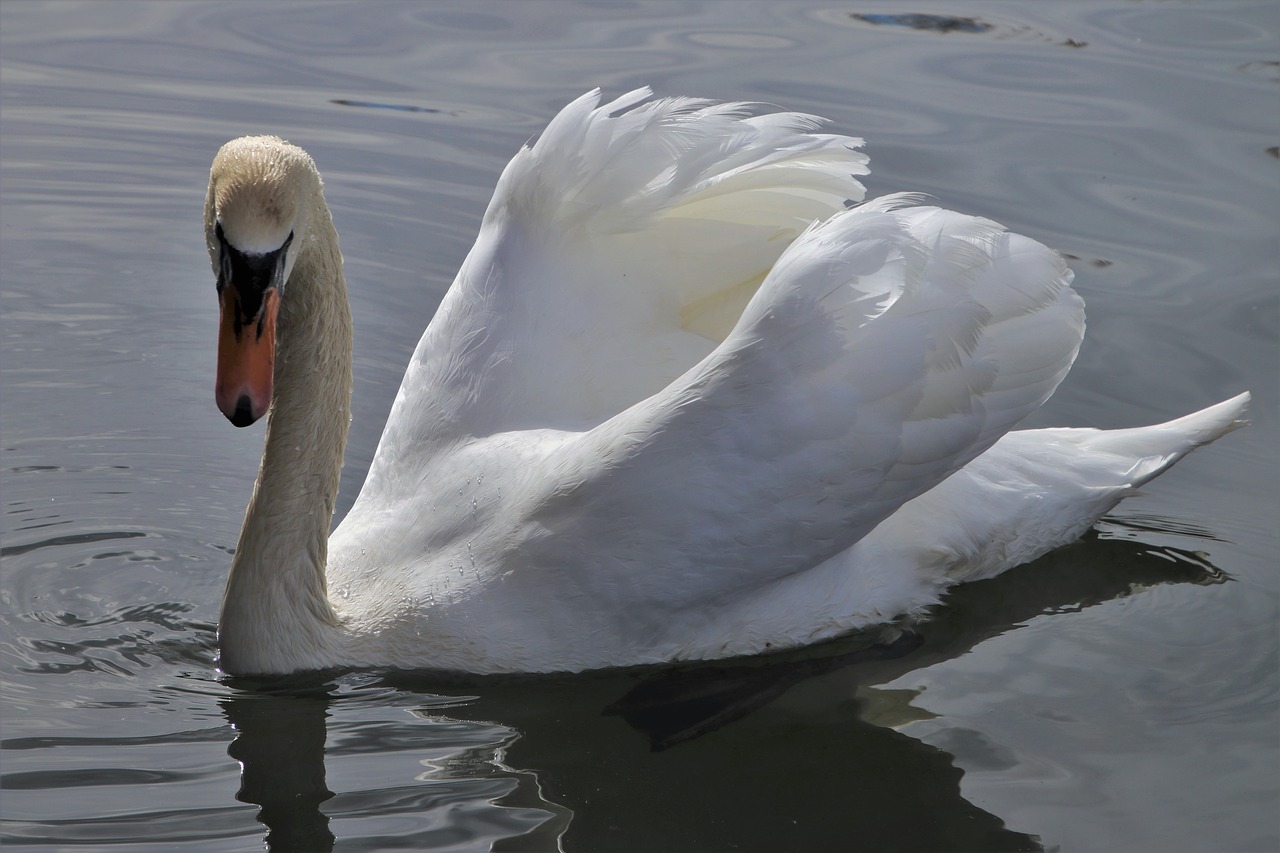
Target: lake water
[1119, 695]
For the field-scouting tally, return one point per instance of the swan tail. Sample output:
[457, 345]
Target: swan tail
[1034, 491]
[1151, 450]
[1037, 490]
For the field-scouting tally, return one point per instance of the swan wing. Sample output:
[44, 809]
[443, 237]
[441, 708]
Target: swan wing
[889, 347]
[617, 251]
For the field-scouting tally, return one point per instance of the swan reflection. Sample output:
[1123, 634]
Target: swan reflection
[726, 752]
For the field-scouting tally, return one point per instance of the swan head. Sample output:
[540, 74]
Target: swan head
[256, 212]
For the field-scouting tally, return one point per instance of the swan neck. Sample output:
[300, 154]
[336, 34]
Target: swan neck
[276, 613]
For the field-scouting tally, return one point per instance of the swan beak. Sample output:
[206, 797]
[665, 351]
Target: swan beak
[246, 357]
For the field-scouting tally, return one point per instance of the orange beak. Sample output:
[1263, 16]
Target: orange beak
[246, 357]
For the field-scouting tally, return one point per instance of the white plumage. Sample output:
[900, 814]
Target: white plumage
[685, 400]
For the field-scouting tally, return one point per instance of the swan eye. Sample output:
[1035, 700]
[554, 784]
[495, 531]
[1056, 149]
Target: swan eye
[282, 263]
[224, 258]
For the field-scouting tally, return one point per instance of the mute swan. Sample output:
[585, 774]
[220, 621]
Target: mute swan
[684, 400]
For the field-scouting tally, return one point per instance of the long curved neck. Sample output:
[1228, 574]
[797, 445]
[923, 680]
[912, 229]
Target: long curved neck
[276, 615]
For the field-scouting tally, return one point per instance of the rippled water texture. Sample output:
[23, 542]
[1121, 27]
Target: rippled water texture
[1118, 695]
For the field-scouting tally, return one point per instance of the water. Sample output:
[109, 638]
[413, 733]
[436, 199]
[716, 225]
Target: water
[1118, 695]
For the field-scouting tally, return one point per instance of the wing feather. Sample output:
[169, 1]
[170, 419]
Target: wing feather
[617, 251]
[889, 347]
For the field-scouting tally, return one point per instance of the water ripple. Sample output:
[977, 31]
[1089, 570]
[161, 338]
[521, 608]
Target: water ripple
[43, 780]
[73, 539]
[170, 639]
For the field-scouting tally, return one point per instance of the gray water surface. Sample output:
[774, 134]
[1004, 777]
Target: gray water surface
[1118, 695]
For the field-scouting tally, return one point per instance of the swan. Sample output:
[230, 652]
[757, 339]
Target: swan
[686, 399]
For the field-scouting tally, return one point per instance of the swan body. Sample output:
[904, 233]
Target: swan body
[686, 399]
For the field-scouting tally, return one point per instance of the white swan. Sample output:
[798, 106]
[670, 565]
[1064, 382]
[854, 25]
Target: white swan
[659, 416]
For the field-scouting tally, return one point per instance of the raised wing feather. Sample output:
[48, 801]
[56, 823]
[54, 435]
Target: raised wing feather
[617, 252]
[887, 348]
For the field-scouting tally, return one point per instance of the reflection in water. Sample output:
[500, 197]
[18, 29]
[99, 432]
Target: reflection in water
[683, 704]
[280, 747]
[467, 798]
[730, 752]
[679, 704]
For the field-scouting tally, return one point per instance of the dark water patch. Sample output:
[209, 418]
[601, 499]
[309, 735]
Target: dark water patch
[216, 734]
[945, 24]
[1096, 263]
[1137, 522]
[75, 539]
[42, 780]
[405, 108]
[142, 829]
[61, 522]
[931, 23]
[1268, 69]
[79, 469]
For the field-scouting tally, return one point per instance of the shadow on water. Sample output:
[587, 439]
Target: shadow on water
[729, 752]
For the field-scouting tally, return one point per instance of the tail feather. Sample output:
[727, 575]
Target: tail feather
[1037, 490]
[1153, 449]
